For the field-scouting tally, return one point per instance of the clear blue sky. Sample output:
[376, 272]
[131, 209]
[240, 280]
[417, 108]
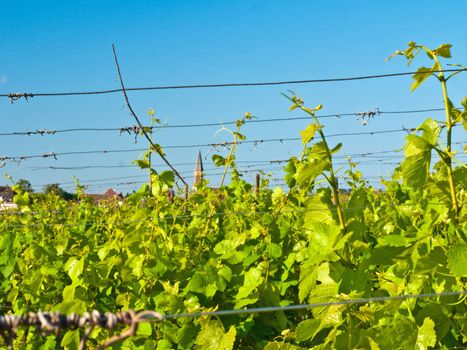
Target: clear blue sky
[56, 46]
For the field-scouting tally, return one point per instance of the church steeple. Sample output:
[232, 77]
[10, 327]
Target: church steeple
[198, 175]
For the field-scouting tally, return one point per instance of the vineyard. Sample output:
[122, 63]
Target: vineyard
[366, 268]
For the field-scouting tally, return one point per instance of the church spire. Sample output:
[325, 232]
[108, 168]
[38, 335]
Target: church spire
[198, 175]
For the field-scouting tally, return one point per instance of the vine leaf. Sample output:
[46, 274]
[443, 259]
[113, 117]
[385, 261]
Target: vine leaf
[422, 74]
[71, 337]
[457, 259]
[416, 165]
[308, 275]
[309, 133]
[245, 296]
[443, 50]
[431, 131]
[307, 329]
[426, 336]
[74, 268]
[213, 337]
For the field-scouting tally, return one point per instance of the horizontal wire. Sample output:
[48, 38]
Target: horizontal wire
[277, 182]
[264, 168]
[268, 309]
[272, 161]
[135, 129]
[205, 173]
[221, 144]
[15, 96]
[132, 183]
[89, 183]
[212, 145]
[96, 317]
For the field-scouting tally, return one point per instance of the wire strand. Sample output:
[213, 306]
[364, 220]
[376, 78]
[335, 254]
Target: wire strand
[221, 144]
[135, 129]
[269, 309]
[15, 96]
[257, 142]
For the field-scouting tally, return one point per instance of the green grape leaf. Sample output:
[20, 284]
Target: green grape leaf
[416, 164]
[420, 76]
[213, 337]
[219, 160]
[307, 329]
[443, 50]
[308, 276]
[431, 131]
[457, 259]
[168, 178]
[163, 344]
[253, 279]
[70, 339]
[309, 133]
[274, 250]
[74, 268]
[426, 336]
[143, 164]
[324, 237]
[228, 339]
[290, 171]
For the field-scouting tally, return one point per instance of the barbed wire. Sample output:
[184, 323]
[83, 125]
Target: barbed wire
[54, 155]
[264, 167]
[49, 322]
[272, 161]
[136, 130]
[226, 144]
[208, 172]
[26, 95]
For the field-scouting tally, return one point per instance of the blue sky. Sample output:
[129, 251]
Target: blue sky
[57, 46]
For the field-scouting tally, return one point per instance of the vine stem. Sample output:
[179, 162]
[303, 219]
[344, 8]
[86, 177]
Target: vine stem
[226, 167]
[449, 125]
[332, 178]
[149, 162]
[227, 163]
[452, 187]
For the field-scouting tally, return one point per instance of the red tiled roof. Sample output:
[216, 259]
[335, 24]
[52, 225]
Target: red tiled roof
[107, 195]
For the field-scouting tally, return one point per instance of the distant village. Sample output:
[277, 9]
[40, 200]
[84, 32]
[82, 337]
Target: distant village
[7, 197]
[7, 193]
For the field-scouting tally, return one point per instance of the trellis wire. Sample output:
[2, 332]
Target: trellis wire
[220, 144]
[26, 95]
[53, 321]
[268, 309]
[136, 129]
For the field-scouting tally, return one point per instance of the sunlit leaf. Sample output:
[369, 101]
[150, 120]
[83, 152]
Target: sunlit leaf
[426, 336]
[422, 74]
[443, 50]
[308, 133]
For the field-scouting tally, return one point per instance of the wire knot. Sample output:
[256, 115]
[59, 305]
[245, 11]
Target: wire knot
[16, 96]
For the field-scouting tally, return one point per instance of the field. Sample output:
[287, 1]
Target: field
[238, 247]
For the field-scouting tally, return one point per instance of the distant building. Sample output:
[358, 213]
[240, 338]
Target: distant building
[109, 195]
[6, 198]
[198, 175]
